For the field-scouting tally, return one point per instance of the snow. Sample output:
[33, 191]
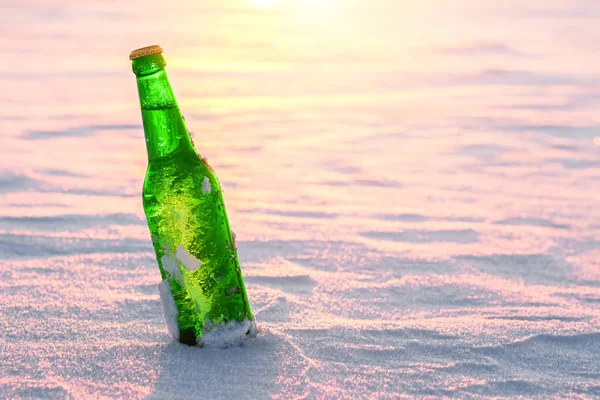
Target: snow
[433, 233]
[206, 186]
[227, 334]
[169, 308]
[171, 265]
[190, 262]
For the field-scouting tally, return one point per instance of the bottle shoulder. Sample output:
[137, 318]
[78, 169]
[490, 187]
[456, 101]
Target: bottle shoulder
[185, 169]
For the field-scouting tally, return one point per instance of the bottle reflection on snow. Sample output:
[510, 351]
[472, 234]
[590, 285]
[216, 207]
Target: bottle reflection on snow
[202, 291]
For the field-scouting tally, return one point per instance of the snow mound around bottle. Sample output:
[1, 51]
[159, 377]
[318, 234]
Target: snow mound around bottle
[227, 334]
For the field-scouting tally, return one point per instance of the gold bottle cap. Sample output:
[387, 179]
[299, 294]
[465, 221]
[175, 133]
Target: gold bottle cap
[145, 51]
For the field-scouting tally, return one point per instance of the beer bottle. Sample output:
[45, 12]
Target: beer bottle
[202, 291]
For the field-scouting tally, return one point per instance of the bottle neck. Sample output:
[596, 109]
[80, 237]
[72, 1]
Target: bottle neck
[164, 126]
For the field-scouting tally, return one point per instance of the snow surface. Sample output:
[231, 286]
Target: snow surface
[417, 213]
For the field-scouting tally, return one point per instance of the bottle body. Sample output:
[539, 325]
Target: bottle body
[194, 246]
[202, 288]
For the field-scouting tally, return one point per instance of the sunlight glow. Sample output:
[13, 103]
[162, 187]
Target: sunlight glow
[298, 4]
[264, 3]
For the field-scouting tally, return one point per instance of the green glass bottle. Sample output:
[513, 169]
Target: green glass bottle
[202, 289]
